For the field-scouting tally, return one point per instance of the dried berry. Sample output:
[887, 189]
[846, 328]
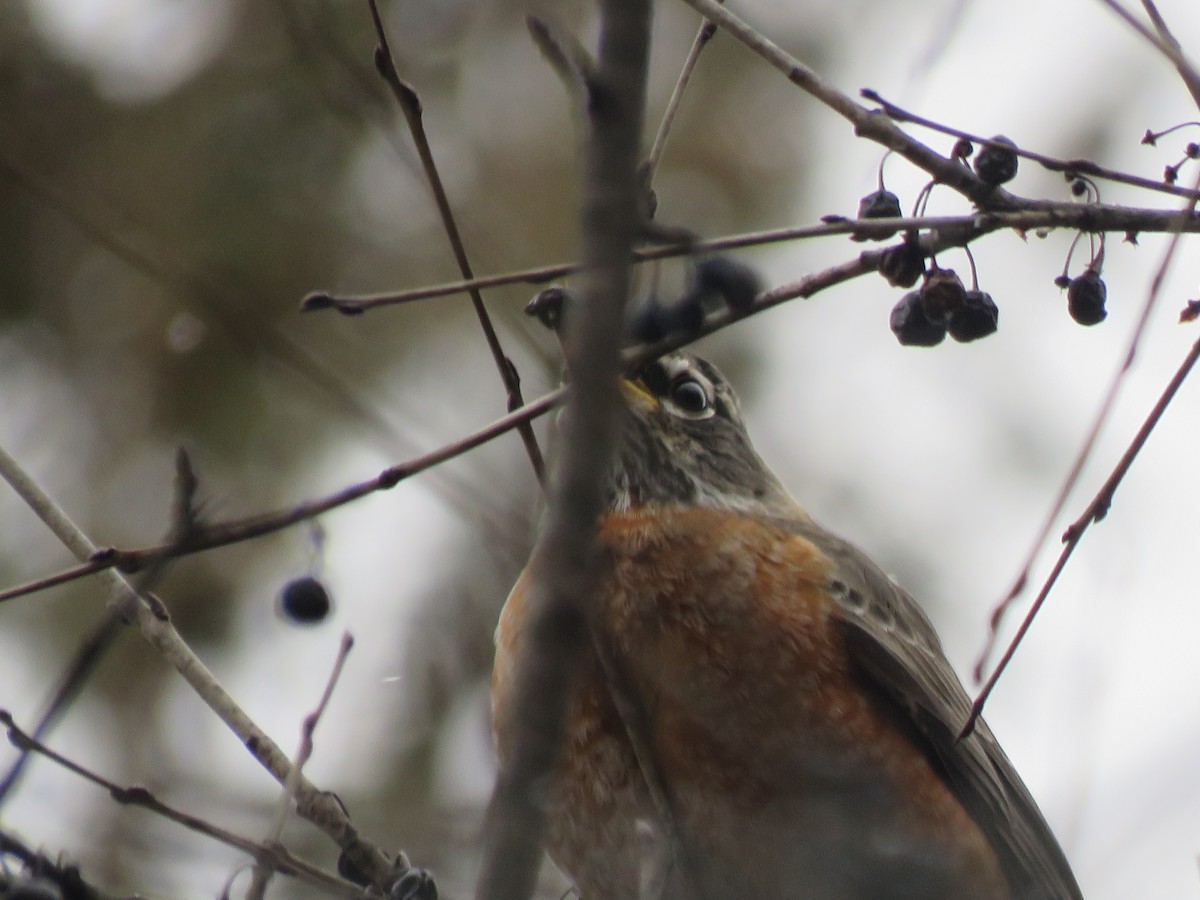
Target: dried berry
[1062, 281]
[903, 264]
[305, 601]
[997, 163]
[547, 307]
[942, 294]
[1078, 187]
[1085, 298]
[976, 318]
[962, 149]
[653, 320]
[880, 204]
[734, 282]
[911, 326]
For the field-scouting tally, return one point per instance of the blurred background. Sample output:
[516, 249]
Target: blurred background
[176, 174]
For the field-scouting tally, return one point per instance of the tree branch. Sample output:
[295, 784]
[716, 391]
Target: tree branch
[563, 559]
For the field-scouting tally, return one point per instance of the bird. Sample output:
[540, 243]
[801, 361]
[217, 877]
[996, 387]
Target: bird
[761, 712]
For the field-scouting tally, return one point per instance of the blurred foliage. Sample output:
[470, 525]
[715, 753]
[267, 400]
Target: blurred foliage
[154, 245]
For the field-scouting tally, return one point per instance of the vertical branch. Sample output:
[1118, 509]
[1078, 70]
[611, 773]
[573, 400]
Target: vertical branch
[410, 105]
[564, 559]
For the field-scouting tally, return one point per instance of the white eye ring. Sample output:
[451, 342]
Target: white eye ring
[691, 398]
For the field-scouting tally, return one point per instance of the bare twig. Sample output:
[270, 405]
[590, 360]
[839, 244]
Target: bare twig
[1163, 42]
[1075, 166]
[281, 859]
[222, 534]
[410, 104]
[564, 557]
[265, 864]
[88, 655]
[1085, 451]
[572, 63]
[1088, 217]
[1096, 510]
[880, 127]
[1187, 72]
[703, 36]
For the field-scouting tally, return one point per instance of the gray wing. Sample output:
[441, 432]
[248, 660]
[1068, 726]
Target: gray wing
[897, 651]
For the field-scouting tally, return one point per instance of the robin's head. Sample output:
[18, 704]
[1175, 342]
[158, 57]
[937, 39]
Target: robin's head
[684, 442]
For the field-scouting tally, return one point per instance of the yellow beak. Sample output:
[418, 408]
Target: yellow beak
[638, 395]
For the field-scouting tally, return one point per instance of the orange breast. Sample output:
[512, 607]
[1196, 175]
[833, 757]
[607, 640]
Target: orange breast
[785, 777]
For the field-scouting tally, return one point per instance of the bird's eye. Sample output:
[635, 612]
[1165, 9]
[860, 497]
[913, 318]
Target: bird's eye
[690, 396]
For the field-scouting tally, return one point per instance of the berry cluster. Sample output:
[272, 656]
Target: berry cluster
[715, 283]
[941, 306]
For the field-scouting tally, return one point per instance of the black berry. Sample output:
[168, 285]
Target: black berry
[1085, 298]
[997, 163]
[976, 318]
[880, 204]
[734, 282]
[942, 294]
[305, 601]
[547, 307]
[911, 326]
[903, 264]
[653, 320]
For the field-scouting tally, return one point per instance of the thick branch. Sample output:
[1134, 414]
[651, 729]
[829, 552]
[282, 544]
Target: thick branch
[563, 559]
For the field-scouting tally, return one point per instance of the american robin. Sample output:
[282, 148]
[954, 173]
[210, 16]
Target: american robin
[763, 712]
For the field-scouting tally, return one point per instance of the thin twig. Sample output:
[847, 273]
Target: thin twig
[1191, 79]
[878, 126]
[266, 864]
[566, 56]
[221, 534]
[1070, 215]
[1163, 42]
[1096, 510]
[280, 857]
[410, 104]
[1076, 166]
[1085, 451]
[88, 655]
[703, 35]
[564, 558]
